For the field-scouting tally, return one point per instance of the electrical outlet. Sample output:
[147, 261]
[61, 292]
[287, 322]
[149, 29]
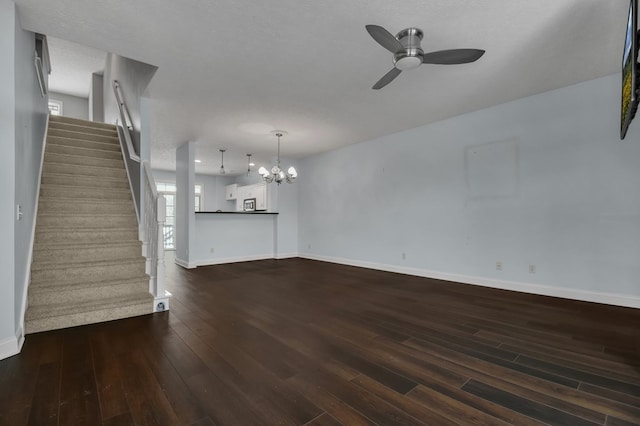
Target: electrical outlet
[499, 265]
[532, 269]
[18, 212]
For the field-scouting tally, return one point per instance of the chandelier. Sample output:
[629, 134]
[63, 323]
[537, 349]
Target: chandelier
[277, 174]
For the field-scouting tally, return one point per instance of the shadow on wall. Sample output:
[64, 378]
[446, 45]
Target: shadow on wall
[133, 77]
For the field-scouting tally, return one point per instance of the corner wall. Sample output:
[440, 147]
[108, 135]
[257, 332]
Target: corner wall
[23, 115]
[72, 106]
[542, 181]
[8, 341]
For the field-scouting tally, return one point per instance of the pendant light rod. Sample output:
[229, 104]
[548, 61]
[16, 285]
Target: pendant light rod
[222, 171]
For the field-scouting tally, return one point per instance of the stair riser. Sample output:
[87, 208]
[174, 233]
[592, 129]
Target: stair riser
[85, 237]
[84, 170]
[83, 129]
[87, 152]
[83, 161]
[58, 141]
[72, 296]
[94, 272]
[82, 136]
[46, 222]
[77, 121]
[42, 253]
[84, 181]
[52, 206]
[34, 326]
[84, 193]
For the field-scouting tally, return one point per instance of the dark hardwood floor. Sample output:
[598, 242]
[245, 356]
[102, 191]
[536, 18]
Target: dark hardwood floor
[309, 343]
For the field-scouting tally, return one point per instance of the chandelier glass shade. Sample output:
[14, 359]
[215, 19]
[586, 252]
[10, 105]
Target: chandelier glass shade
[276, 174]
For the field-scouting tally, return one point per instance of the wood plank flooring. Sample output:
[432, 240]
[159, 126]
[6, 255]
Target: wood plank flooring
[300, 342]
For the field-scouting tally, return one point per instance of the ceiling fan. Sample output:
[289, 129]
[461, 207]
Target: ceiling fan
[407, 53]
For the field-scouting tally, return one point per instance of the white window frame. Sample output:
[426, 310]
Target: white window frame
[58, 103]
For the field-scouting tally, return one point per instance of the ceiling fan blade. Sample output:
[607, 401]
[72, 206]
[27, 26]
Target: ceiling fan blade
[452, 57]
[385, 38]
[387, 78]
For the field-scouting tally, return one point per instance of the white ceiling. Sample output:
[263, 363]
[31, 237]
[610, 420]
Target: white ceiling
[73, 65]
[231, 70]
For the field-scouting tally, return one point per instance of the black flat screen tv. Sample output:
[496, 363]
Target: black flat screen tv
[629, 103]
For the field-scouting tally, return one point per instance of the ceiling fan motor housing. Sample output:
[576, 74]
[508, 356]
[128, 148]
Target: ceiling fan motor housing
[411, 57]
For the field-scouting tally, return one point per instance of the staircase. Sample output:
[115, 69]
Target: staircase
[87, 264]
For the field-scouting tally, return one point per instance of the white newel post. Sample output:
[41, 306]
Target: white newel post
[162, 295]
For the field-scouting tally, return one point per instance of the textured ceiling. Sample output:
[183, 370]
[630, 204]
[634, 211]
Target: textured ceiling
[230, 70]
[73, 65]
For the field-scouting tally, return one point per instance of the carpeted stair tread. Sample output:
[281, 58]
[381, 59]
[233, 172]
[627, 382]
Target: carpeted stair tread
[79, 121]
[88, 194]
[80, 128]
[85, 181]
[61, 141]
[80, 235]
[74, 252]
[99, 282]
[84, 151]
[70, 134]
[117, 310]
[88, 291]
[72, 206]
[91, 171]
[64, 309]
[79, 160]
[52, 273]
[86, 221]
[76, 263]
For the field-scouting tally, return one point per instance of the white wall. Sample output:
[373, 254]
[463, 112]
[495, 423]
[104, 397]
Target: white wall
[224, 238]
[31, 117]
[7, 176]
[185, 217]
[214, 189]
[72, 106]
[558, 190]
[23, 113]
[96, 98]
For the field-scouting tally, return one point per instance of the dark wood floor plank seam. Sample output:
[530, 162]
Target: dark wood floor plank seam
[529, 408]
[527, 386]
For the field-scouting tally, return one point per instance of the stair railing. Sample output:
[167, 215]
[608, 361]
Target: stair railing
[153, 207]
[125, 119]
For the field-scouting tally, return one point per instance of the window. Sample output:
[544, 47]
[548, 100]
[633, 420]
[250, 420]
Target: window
[55, 107]
[198, 199]
[169, 192]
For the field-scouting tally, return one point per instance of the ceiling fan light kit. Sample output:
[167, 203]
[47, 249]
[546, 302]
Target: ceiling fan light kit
[277, 174]
[408, 55]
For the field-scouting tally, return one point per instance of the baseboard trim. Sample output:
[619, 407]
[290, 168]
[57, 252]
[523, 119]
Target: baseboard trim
[286, 255]
[11, 346]
[185, 264]
[222, 260]
[541, 290]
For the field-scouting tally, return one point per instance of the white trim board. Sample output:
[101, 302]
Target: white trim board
[11, 346]
[32, 237]
[223, 260]
[542, 290]
[219, 261]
